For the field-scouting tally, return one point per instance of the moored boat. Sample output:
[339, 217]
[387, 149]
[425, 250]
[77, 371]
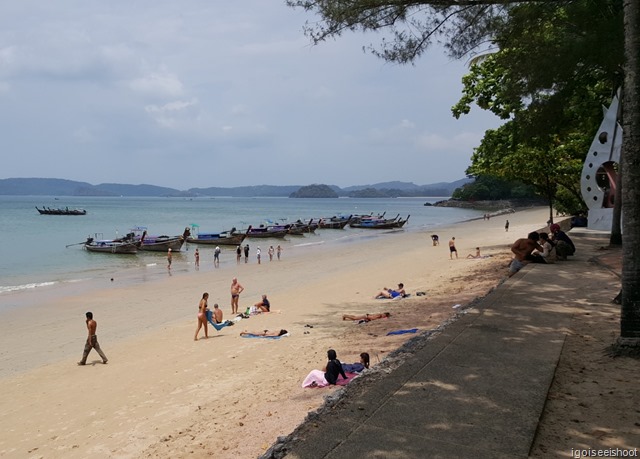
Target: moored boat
[262, 231]
[335, 222]
[159, 243]
[60, 211]
[380, 223]
[231, 237]
[111, 246]
[299, 228]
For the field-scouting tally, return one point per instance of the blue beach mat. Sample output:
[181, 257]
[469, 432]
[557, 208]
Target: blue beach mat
[402, 332]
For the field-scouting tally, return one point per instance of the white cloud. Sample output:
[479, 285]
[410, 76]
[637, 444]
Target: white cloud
[158, 84]
[464, 141]
[218, 81]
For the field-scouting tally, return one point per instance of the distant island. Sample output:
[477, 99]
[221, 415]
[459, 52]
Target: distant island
[315, 191]
[62, 187]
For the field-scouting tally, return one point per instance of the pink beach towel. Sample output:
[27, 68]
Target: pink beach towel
[316, 379]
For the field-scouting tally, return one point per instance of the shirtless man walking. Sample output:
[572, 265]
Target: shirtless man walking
[236, 290]
[452, 248]
[92, 341]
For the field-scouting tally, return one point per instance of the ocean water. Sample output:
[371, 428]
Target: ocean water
[34, 252]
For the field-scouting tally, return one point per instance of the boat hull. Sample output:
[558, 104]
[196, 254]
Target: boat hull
[279, 234]
[46, 211]
[129, 248]
[162, 245]
[232, 239]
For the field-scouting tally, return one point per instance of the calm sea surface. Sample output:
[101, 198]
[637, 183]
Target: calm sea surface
[34, 252]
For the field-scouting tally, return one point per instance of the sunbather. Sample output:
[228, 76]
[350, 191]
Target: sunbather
[390, 293]
[264, 333]
[366, 317]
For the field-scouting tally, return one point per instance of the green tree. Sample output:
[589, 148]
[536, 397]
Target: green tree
[464, 24]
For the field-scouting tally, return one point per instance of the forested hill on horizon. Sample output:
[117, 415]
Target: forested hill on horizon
[62, 187]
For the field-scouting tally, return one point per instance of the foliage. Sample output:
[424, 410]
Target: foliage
[314, 191]
[557, 65]
[487, 187]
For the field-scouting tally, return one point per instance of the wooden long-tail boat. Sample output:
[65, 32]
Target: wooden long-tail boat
[231, 237]
[376, 223]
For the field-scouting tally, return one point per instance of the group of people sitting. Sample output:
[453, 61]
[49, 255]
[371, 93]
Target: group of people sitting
[541, 248]
[334, 369]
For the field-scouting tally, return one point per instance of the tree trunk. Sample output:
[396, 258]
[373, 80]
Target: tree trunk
[616, 228]
[616, 219]
[630, 310]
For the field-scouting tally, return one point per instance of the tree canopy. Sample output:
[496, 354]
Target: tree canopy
[556, 59]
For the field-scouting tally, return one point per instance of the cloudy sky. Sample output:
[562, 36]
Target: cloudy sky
[202, 93]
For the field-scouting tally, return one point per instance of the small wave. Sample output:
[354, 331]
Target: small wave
[308, 244]
[15, 288]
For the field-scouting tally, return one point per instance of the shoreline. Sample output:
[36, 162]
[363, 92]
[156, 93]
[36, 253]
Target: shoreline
[163, 383]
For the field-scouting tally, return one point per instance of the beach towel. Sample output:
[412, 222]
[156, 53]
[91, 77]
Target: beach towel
[267, 337]
[316, 379]
[399, 297]
[402, 332]
[218, 327]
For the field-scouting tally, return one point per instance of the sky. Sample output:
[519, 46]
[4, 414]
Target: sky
[202, 93]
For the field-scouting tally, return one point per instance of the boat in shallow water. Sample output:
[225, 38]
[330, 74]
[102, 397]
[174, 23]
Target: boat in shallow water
[231, 237]
[111, 246]
[380, 223]
[161, 243]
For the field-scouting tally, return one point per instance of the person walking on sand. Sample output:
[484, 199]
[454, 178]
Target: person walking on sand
[238, 254]
[246, 253]
[278, 251]
[506, 226]
[202, 316]
[92, 340]
[271, 251]
[197, 257]
[452, 248]
[258, 254]
[236, 290]
[169, 257]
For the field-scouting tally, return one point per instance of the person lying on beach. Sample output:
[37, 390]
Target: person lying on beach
[366, 317]
[264, 333]
[477, 255]
[264, 305]
[358, 366]
[390, 293]
[328, 375]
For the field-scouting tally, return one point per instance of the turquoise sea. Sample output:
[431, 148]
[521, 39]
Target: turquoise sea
[34, 253]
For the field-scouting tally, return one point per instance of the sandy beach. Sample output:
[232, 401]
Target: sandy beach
[162, 394]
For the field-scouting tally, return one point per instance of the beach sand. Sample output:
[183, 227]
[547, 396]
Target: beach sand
[162, 394]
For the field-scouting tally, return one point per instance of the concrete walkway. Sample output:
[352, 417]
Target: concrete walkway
[476, 390]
